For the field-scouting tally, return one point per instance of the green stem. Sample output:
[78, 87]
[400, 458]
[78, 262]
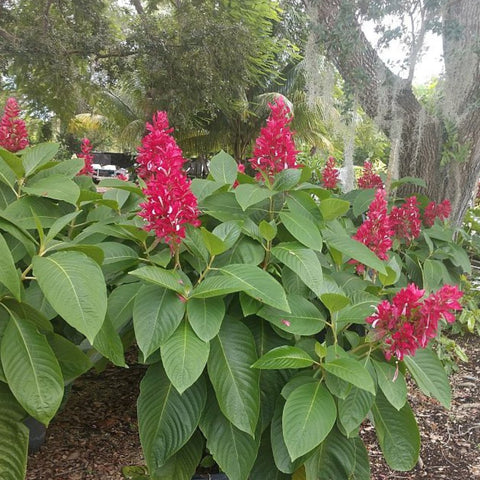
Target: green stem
[207, 269]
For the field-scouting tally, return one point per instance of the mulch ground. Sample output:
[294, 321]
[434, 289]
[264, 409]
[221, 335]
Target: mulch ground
[96, 434]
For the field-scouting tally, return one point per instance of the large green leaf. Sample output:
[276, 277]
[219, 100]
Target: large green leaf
[280, 453]
[203, 188]
[284, 357]
[13, 161]
[339, 457]
[166, 419]
[305, 318]
[362, 201]
[184, 357]
[303, 229]
[248, 195]
[352, 371]
[234, 450]
[205, 316]
[120, 304]
[170, 279]
[57, 187]
[258, 284]
[31, 369]
[353, 409]
[397, 433]
[286, 179]
[223, 168]
[75, 287]
[236, 385]
[13, 437]
[332, 208]
[354, 249]
[245, 250]
[73, 362]
[304, 262]
[117, 256]
[428, 372]
[214, 244]
[8, 272]
[264, 466]
[38, 155]
[182, 465]
[59, 225]
[157, 312]
[109, 343]
[308, 417]
[392, 383]
[68, 168]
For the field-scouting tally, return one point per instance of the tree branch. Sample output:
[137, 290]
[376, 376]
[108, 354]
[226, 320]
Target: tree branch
[138, 6]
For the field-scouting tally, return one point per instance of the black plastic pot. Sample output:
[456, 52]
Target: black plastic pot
[37, 434]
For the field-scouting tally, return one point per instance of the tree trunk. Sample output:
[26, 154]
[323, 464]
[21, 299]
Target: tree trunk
[422, 137]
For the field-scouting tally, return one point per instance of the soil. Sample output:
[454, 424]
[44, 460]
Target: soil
[96, 434]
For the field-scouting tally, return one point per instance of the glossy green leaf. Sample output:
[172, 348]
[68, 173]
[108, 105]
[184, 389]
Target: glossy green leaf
[31, 369]
[353, 409]
[234, 450]
[73, 362]
[264, 466]
[59, 225]
[203, 188]
[284, 357]
[57, 187]
[67, 168]
[305, 318]
[248, 195]
[38, 155]
[339, 457]
[354, 249]
[13, 161]
[166, 419]
[268, 230]
[109, 344]
[286, 179]
[215, 245]
[392, 383]
[75, 287]
[205, 316]
[236, 385]
[303, 230]
[13, 436]
[223, 168]
[120, 304]
[183, 464]
[362, 201]
[165, 278]
[332, 208]
[245, 250]
[308, 417]
[258, 284]
[8, 272]
[351, 371]
[157, 312]
[304, 262]
[334, 301]
[184, 357]
[397, 434]
[228, 232]
[428, 372]
[117, 256]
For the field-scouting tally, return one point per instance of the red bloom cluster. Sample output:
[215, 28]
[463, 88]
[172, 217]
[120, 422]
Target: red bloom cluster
[405, 220]
[330, 174]
[87, 158]
[170, 203]
[275, 148]
[13, 132]
[369, 179]
[407, 323]
[376, 231]
[436, 210]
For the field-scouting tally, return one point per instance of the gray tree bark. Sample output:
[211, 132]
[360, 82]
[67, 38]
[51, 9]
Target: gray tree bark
[390, 101]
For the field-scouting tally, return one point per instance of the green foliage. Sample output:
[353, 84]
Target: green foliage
[254, 331]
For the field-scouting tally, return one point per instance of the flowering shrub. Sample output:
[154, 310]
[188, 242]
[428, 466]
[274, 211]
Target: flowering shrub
[262, 343]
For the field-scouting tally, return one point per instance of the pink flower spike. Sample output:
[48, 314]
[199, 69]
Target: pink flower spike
[275, 148]
[330, 174]
[13, 132]
[87, 158]
[369, 179]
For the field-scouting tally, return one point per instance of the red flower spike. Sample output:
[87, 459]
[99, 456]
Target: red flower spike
[408, 323]
[13, 132]
[87, 158]
[434, 210]
[405, 220]
[376, 231]
[275, 148]
[330, 174]
[369, 179]
[170, 204]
